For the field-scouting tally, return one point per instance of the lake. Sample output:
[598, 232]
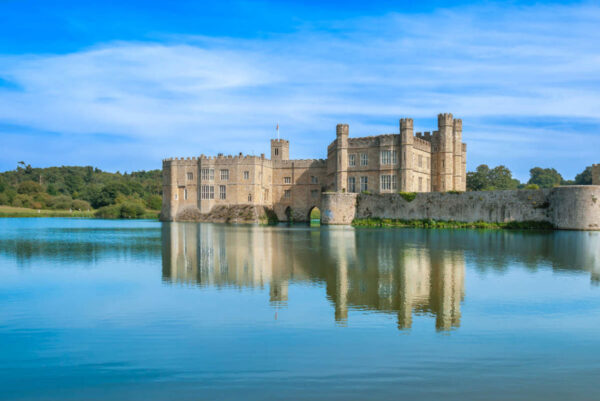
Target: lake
[142, 310]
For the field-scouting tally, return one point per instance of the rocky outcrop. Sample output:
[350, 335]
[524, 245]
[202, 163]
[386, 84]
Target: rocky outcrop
[228, 214]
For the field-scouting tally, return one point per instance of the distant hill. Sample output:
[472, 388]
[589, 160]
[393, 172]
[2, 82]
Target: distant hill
[81, 188]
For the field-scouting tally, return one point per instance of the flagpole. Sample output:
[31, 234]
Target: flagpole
[277, 130]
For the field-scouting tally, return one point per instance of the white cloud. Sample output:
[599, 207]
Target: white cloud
[477, 62]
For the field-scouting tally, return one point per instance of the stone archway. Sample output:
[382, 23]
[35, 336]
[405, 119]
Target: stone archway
[288, 214]
[314, 216]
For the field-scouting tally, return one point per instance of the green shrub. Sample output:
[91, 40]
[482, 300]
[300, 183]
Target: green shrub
[4, 199]
[23, 200]
[29, 187]
[81, 205]
[132, 210]
[153, 202]
[532, 186]
[453, 192]
[62, 202]
[408, 196]
[109, 212]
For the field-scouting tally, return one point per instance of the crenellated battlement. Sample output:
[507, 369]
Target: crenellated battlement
[422, 162]
[422, 144]
[445, 119]
[406, 123]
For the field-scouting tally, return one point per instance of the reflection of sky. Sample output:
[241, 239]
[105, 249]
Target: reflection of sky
[98, 329]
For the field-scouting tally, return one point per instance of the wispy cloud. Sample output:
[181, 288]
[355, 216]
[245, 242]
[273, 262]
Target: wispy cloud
[191, 94]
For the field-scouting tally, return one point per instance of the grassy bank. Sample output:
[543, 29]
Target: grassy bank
[428, 223]
[11, 211]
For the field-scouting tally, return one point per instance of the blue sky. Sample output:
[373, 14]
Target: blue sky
[121, 86]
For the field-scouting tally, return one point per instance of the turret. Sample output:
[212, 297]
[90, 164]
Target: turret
[406, 141]
[459, 180]
[280, 149]
[341, 177]
[445, 156]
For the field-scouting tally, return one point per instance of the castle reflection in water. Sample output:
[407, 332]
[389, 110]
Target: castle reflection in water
[378, 275]
[402, 272]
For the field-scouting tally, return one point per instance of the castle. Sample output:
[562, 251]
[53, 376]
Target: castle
[596, 174]
[390, 163]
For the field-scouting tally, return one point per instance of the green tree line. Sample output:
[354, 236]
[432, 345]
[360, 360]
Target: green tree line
[485, 178]
[82, 188]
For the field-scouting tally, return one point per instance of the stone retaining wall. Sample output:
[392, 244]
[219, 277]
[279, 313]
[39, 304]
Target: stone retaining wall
[569, 207]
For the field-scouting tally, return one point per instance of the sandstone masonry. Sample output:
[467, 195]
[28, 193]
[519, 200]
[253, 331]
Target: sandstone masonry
[574, 207]
[596, 174]
[425, 162]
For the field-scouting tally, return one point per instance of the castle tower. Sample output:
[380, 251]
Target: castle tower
[446, 150]
[341, 176]
[406, 146]
[280, 149]
[458, 156]
[595, 174]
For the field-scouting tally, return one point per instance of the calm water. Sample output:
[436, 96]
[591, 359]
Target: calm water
[140, 310]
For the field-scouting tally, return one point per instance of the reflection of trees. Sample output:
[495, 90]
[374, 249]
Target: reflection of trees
[393, 271]
[82, 245]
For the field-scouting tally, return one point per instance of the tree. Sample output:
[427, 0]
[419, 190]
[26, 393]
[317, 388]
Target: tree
[486, 179]
[29, 187]
[501, 178]
[545, 177]
[585, 177]
[478, 180]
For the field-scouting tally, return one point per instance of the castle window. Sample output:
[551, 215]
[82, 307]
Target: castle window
[364, 181]
[224, 175]
[287, 193]
[208, 174]
[314, 193]
[176, 196]
[388, 182]
[351, 184]
[428, 185]
[287, 180]
[420, 184]
[351, 160]
[190, 176]
[246, 175]
[364, 159]
[314, 179]
[185, 193]
[389, 157]
[222, 191]
[386, 157]
[420, 161]
[207, 192]
[249, 197]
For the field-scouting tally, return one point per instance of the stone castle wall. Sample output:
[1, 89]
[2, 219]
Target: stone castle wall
[385, 163]
[572, 207]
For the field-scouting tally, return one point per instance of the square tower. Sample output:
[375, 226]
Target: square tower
[596, 174]
[280, 149]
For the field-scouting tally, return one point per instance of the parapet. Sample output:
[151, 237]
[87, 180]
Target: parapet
[342, 129]
[406, 124]
[422, 144]
[458, 125]
[279, 142]
[180, 161]
[445, 119]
